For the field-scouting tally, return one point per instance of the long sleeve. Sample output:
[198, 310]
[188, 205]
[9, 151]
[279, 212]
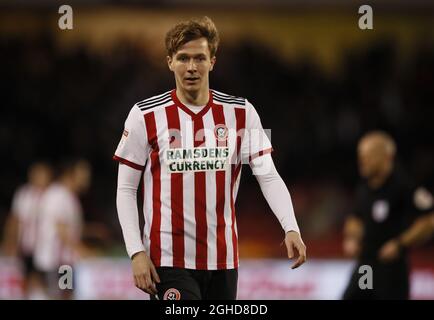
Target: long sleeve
[126, 202]
[275, 191]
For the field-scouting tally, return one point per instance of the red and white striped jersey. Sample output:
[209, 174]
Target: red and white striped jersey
[26, 207]
[58, 205]
[191, 166]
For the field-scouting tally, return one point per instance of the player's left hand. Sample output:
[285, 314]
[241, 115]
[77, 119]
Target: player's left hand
[296, 248]
[389, 251]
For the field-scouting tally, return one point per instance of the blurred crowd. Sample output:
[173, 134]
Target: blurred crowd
[59, 102]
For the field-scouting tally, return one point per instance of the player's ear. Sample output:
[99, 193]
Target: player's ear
[213, 61]
[169, 62]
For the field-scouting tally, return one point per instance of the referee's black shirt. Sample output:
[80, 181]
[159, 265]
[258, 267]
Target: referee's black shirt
[387, 211]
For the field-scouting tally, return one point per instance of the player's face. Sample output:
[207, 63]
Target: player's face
[191, 65]
[371, 159]
[40, 176]
[82, 176]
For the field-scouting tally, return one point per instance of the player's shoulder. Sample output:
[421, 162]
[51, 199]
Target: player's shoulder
[154, 102]
[409, 188]
[231, 101]
[23, 190]
[401, 181]
[228, 99]
[51, 190]
[55, 191]
[56, 195]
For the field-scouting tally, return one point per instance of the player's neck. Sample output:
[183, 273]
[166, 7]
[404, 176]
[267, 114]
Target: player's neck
[196, 98]
[68, 184]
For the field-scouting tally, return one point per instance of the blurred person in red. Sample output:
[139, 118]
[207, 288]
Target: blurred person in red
[387, 203]
[61, 224]
[189, 144]
[22, 224]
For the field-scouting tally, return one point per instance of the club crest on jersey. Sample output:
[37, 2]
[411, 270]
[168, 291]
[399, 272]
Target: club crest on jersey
[380, 210]
[172, 294]
[221, 132]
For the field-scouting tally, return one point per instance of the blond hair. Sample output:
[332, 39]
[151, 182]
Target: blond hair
[192, 29]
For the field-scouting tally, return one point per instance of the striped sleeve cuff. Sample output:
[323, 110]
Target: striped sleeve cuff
[128, 163]
[260, 153]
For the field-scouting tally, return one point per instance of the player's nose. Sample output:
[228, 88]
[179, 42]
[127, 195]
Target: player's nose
[191, 67]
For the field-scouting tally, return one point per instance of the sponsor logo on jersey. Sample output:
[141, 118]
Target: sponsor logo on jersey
[172, 294]
[196, 159]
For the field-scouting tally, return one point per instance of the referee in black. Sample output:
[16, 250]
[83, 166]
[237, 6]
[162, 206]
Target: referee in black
[387, 203]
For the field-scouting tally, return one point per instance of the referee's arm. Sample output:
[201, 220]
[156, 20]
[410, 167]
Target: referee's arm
[419, 232]
[353, 232]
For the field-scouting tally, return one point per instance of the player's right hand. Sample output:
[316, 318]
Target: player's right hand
[145, 274]
[351, 247]
[295, 247]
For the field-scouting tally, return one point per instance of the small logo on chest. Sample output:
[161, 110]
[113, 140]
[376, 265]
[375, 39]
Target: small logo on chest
[380, 210]
[221, 132]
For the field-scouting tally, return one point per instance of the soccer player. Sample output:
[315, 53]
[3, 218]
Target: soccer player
[189, 143]
[387, 202]
[22, 224]
[58, 241]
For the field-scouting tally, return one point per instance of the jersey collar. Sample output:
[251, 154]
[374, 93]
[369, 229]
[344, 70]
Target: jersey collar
[187, 110]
